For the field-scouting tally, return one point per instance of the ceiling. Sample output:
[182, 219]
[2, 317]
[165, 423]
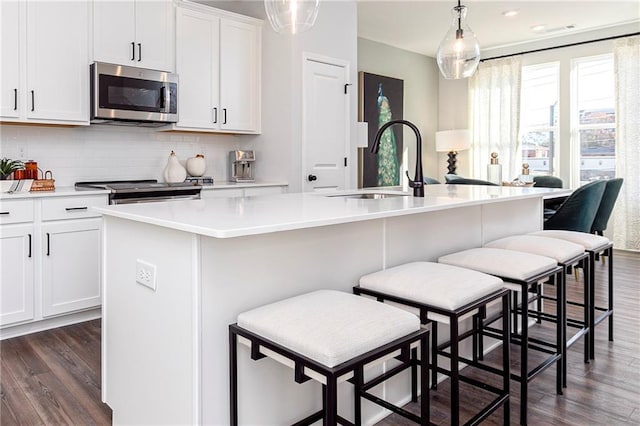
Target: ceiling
[419, 26]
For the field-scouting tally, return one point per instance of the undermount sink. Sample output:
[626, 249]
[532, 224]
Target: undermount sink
[370, 195]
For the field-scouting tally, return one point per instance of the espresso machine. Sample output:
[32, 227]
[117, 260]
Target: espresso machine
[241, 166]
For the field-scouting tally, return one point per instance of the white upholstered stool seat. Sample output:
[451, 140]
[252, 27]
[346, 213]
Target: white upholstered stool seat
[502, 263]
[590, 242]
[448, 294]
[445, 286]
[331, 335]
[329, 326]
[560, 250]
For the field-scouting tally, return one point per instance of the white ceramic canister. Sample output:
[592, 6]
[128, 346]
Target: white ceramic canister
[174, 172]
[196, 166]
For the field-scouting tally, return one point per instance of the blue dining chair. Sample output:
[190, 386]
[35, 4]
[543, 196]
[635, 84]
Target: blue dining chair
[579, 209]
[609, 198]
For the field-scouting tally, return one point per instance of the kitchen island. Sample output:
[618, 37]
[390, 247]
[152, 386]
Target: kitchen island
[165, 354]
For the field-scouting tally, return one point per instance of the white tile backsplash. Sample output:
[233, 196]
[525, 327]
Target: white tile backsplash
[100, 152]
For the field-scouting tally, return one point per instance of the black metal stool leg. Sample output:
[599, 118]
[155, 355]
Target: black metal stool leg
[524, 358]
[434, 355]
[455, 374]
[587, 318]
[506, 357]
[233, 378]
[561, 330]
[425, 406]
[331, 402]
[358, 374]
[414, 375]
[610, 273]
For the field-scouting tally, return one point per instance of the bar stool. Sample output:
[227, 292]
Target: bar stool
[521, 273]
[594, 245]
[330, 336]
[568, 255]
[447, 295]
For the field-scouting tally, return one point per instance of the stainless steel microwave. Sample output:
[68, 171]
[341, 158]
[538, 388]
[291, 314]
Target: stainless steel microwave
[129, 95]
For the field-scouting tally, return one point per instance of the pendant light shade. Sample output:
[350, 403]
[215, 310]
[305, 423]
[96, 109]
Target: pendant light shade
[291, 16]
[459, 51]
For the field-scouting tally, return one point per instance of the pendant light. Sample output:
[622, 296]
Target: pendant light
[291, 16]
[459, 51]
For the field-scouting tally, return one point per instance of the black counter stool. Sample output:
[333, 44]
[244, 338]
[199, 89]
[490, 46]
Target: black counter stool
[594, 245]
[568, 255]
[521, 272]
[330, 336]
[447, 294]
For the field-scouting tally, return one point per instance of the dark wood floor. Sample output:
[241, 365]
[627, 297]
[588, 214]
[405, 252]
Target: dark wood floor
[53, 377]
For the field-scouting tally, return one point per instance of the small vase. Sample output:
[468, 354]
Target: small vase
[174, 172]
[196, 166]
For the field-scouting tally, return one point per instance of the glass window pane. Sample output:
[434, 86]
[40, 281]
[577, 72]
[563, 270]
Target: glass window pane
[595, 94]
[597, 154]
[537, 151]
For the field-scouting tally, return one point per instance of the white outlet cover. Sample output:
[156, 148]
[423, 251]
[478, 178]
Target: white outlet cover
[146, 274]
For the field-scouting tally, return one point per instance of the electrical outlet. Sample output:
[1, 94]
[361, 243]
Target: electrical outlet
[146, 274]
[22, 152]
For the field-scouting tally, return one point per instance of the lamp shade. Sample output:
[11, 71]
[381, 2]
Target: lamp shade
[453, 140]
[291, 16]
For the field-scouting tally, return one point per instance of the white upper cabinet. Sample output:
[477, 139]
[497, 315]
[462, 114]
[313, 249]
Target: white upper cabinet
[9, 58]
[45, 62]
[218, 59]
[240, 75]
[137, 33]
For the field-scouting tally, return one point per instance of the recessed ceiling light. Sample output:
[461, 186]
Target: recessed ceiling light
[510, 13]
[538, 27]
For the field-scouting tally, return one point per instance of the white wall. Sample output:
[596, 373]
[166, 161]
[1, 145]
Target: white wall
[105, 152]
[420, 75]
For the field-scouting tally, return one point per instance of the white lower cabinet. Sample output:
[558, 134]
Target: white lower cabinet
[50, 262]
[16, 274]
[70, 266]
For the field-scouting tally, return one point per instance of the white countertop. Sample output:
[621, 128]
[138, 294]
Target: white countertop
[242, 216]
[66, 191]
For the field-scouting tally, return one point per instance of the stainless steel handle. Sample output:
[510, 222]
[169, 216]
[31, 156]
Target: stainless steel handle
[33, 101]
[48, 244]
[139, 52]
[215, 115]
[224, 116]
[133, 51]
[29, 245]
[71, 209]
[15, 99]
[166, 98]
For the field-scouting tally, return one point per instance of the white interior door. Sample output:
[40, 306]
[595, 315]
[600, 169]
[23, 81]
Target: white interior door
[325, 124]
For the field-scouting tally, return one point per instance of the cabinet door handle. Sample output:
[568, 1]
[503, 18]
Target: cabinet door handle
[33, 101]
[15, 99]
[139, 52]
[5, 213]
[48, 244]
[215, 115]
[133, 51]
[72, 209]
[29, 245]
[224, 116]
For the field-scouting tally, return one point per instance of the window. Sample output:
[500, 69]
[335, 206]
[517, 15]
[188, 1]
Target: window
[539, 117]
[593, 130]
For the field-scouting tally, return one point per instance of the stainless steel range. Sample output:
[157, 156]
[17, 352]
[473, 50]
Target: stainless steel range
[144, 191]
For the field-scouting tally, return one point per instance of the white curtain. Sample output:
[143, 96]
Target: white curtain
[494, 100]
[626, 215]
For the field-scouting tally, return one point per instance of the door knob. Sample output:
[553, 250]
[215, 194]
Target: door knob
[311, 178]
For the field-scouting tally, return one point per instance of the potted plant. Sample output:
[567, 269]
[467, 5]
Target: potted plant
[8, 166]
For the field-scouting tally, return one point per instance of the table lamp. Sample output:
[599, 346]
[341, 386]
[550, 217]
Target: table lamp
[452, 141]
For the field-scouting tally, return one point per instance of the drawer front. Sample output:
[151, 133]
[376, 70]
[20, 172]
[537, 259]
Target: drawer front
[72, 207]
[16, 211]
